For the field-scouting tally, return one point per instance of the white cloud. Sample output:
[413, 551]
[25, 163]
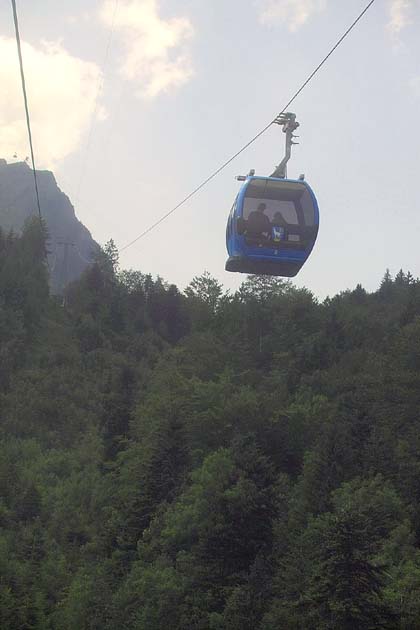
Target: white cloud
[294, 13]
[156, 56]
[399, 16]
[61, 93]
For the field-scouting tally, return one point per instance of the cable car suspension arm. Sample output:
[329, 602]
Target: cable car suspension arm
[289, 123]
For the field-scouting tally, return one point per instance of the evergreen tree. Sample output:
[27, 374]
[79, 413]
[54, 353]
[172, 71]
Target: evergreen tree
[345, 587]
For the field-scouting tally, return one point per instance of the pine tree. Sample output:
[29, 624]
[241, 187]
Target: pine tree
[346, 586]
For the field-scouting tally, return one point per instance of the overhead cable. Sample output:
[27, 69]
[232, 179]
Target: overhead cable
[25, 99]
[258, 135]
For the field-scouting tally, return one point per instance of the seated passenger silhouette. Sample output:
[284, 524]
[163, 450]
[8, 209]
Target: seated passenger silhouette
[279, 224]
[258, 224]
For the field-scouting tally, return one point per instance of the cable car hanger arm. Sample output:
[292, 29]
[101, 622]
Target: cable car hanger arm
[289, 123]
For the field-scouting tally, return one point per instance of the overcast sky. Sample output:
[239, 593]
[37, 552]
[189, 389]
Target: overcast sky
[134, 102]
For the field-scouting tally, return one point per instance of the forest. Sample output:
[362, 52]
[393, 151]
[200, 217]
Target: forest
[205, 460]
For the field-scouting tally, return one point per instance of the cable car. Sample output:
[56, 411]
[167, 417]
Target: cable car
[273, 224]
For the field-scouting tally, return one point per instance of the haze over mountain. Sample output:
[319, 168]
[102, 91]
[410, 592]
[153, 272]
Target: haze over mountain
[70, 243]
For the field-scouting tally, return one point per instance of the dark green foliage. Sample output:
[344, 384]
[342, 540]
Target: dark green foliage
[205, 460]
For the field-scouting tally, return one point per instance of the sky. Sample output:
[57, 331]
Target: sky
[134, 103]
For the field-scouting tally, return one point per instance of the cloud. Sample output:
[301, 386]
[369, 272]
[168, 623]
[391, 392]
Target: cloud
[156, 56]
[61, 93]
[294, 13]
[399, 16]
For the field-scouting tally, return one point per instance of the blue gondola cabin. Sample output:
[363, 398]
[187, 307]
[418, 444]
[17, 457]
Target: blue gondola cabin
[272, 226]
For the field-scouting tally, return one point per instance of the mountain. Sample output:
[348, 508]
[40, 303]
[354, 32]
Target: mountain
[70, 243]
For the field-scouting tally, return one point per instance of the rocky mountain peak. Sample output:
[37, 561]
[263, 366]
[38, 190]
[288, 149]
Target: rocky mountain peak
[70, 243]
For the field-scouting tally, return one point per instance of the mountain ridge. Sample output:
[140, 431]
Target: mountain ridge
[70, 245]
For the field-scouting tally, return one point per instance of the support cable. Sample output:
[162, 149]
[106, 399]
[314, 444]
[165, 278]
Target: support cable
[258, 135]
[28, 122]
[25, 99]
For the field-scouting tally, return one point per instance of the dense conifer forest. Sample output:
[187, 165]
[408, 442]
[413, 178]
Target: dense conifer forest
[202, 459]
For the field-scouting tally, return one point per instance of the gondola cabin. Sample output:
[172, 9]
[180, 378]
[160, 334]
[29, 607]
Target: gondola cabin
[272, 226]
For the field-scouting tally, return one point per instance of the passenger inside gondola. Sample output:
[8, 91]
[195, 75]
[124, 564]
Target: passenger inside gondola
[279, 228]
[258, 225]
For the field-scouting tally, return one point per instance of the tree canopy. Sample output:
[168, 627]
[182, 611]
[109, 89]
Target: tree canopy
[205, 459]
